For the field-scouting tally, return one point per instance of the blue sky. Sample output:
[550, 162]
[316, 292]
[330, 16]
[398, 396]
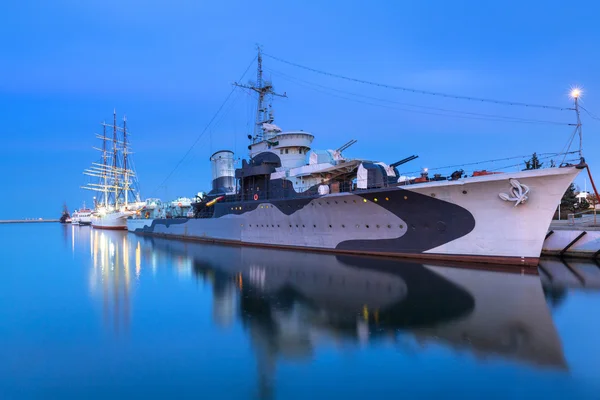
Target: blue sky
[65, 65]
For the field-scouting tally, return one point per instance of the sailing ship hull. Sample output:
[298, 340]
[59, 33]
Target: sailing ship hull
[473, 219]
[117, 220]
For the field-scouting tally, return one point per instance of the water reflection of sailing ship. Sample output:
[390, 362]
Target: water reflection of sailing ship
[289, 301]
[117, 186]
[111, 275]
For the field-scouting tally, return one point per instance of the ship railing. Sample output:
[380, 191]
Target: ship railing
[303, 192]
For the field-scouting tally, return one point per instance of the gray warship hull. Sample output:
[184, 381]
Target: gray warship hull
[462, 220]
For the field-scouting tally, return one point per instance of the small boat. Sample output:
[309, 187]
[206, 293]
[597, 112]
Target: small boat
[82, 216]
[65, 218]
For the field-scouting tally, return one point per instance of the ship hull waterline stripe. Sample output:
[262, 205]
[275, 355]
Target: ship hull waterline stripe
[497, 261]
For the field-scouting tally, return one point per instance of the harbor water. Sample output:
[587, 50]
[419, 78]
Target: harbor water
[91, 314]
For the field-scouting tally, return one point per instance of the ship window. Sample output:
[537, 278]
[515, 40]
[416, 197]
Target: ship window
[345, 202]
[343, 226]
[296, 226]
[377, 226]
[387, 199]
[401, 226]
[367, 226]
[330, 226]
[290, 226]
[314, 226]
[286, 151]
[389, 226]
[303, 226]
[280, 151]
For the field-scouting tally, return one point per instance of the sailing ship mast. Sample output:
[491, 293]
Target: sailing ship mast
[115, 158]
[115, 171]
[125, 171]
[104, 165]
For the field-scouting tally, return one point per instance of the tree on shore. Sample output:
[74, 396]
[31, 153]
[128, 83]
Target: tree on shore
[533, 163]
[570, 202]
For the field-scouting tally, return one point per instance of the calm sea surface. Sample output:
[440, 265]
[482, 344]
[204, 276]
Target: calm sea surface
[91, 314]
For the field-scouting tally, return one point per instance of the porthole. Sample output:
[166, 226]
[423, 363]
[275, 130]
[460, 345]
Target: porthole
[367, 226]
[401, 226]
[330, 226]
[345, 202]
[464, 192]
[290, 226]
[389, 226]
[343, 226]
[296, 226]
[250, 225]
[405, 197]
[336, 202]
[278, 225]
[262, 226]
[314, 226]
[432, 194]
[377, 226]
[303, 226]
[272, 226]
[358, 226]
[327, 202]
[364, 200]
[354, 201]
[387, 199]
[375, 199]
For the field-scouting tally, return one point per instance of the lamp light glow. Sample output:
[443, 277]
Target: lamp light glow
[576, 92]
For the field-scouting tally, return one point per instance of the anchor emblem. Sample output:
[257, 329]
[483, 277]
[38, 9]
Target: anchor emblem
[519, 192]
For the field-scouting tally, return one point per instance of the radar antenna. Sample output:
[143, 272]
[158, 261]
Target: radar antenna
[263, 113]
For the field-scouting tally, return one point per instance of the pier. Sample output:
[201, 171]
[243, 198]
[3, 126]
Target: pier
[569, 239]
[26, 221]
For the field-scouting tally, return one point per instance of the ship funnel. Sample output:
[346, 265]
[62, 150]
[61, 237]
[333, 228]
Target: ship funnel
[223, 172]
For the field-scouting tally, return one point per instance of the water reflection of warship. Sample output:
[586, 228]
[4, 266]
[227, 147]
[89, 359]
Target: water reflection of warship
[290, 300]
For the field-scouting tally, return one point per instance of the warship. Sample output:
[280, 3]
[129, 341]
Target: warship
[286, 195]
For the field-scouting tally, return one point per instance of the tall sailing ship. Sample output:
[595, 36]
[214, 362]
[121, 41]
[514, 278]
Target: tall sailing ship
[115, 179]
[288, 196]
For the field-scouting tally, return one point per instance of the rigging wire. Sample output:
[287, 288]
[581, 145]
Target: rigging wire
[205, 128]
[480, 116]
[541, 156]
[592, 115]
[412, 90]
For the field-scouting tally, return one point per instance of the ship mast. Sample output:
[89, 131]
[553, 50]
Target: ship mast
[263, 113]
[126, 172]
[116, 175]
[104, 166]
